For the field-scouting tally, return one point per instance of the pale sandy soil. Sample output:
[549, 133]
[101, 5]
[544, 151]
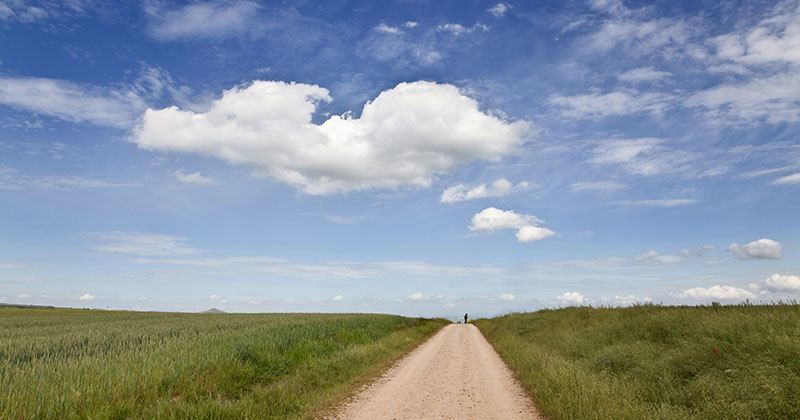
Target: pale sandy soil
[454, 375]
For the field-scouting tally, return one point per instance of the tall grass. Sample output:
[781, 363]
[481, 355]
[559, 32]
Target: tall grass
[57, 363]
[651, 362]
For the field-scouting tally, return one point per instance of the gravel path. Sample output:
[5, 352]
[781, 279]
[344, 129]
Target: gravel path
[454, 375]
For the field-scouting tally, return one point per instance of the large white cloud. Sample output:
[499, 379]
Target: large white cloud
[405, 137]
[493, 219]
[762, 249]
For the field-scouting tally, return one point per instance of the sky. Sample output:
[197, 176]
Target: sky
[411, 157]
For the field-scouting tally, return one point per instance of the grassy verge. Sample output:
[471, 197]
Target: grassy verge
[57, 363]
[729, 362]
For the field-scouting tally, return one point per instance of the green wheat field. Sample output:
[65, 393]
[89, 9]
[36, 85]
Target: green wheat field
[654, 362]
[71, 363]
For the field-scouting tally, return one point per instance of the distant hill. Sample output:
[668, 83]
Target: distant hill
[19, 305]
[213, 311]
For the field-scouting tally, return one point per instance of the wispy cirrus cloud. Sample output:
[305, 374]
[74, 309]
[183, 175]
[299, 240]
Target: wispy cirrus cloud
[11, 179]
[458, 29]
[597, 104]
[664, 202]
[644, 261]
[115, 106]
[793, 179]
[70, 101]
[144, 244]
[597, 186]
[646, 156]
[328, 270]
[771, 99]
[643, 74]
[638, 32]
[195, 178]
[204, 20]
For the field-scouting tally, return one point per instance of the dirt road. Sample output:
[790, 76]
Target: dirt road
[454, 375]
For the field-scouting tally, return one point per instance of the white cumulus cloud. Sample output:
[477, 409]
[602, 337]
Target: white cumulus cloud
[492, 219]
[717, 292]
[573, 298]
[416, 296]
[508, 297]
[655, 257]
[499, 9]
[499, 188]
[337, 298]
[761, 249]
[782, 283]
[86, 297]
[532, 233]
[404, 137]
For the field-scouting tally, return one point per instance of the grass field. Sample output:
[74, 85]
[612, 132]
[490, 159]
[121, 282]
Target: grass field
[722, 362]
[62, 363]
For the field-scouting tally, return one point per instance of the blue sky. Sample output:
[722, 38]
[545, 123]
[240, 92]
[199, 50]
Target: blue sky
[410, 157]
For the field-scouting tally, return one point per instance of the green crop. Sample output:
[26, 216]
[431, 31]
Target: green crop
[66, 363]
[654, 362]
